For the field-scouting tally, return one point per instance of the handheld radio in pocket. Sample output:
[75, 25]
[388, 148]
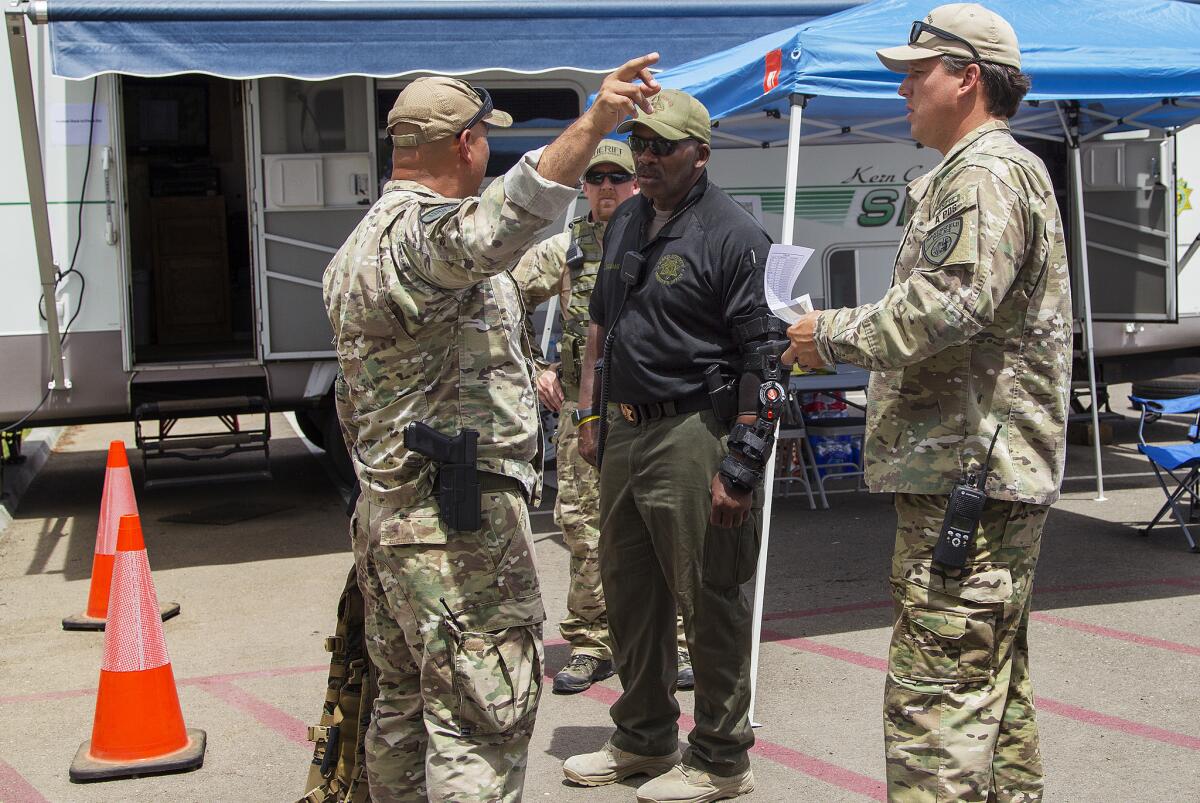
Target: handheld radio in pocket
[962, 517]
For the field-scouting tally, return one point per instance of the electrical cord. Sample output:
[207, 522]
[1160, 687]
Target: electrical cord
[71, 269]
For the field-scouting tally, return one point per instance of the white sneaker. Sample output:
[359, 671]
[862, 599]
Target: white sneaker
[609, 765]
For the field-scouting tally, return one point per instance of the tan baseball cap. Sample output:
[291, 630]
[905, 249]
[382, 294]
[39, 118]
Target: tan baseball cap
[432, 108]
[613, 152]
[677, 115]
[990, 34]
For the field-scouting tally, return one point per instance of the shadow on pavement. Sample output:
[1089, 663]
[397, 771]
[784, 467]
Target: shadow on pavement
[298, 512]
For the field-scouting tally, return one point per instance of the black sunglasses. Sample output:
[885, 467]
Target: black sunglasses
[657, 146]
[484, 110]
[919, 27]
[616, 178]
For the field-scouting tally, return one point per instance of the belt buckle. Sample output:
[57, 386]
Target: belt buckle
[629, 412]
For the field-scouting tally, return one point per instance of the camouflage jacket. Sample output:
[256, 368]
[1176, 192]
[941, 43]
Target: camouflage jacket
[541, 273]
[429, 326]
[975, 331]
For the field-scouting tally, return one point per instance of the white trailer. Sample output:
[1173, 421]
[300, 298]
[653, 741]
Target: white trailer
[191, 218]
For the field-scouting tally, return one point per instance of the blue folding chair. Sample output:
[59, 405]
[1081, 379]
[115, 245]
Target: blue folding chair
[1168, 460]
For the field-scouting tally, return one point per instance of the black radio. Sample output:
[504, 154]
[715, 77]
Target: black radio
[963, 512]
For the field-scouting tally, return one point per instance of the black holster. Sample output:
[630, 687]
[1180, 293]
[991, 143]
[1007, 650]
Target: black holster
[722, 393]
[459, 494]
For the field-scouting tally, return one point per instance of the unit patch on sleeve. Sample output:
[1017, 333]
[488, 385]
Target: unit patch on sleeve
[941, 241]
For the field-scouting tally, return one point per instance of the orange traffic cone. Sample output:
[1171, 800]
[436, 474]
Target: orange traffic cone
[138, 729]
[117, 500]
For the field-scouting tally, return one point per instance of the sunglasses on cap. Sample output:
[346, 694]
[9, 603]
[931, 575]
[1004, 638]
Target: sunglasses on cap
[485, 108]
[657, 145]
[616, 178]
[919, 27]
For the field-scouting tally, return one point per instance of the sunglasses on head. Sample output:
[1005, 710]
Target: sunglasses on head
[485, 109]
[657, 145]
[616, 178]
[919, 27]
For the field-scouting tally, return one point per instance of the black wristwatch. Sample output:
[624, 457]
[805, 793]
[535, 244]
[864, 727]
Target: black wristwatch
[580, 414]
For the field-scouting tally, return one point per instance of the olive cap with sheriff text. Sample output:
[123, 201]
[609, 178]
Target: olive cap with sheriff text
[677, 115]
[613, 152]
[436, 107]
[988, 32]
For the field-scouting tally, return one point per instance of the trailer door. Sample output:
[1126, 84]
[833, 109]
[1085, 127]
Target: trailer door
[313, 180]
[1129, 205]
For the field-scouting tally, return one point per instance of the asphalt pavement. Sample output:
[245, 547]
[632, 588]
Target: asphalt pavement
[257, 567]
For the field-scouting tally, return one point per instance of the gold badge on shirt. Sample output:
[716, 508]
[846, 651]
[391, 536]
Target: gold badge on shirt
[669, 269]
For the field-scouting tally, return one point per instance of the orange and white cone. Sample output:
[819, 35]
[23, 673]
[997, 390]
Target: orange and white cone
[138, 728]
[117, 500]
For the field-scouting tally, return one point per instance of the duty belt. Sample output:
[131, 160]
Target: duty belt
[639, 413]
[494, 483]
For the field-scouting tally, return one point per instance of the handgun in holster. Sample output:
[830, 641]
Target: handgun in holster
[459, 502]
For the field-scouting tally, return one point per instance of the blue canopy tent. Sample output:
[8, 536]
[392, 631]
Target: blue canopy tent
[1097, 67]
[320, 39]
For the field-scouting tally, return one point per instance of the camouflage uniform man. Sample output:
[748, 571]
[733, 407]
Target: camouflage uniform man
[428, 327]
[975, 332]
[610, 179]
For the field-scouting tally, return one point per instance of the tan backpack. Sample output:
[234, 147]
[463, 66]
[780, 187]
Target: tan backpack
[338, 772]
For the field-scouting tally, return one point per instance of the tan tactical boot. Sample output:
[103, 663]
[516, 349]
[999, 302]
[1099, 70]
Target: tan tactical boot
[580, 673]
[684, 784]
[609, 765]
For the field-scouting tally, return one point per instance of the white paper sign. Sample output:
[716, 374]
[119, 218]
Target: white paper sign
[72, 123]
[784, 264]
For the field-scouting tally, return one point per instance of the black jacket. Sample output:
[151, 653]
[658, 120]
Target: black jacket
[703, 270]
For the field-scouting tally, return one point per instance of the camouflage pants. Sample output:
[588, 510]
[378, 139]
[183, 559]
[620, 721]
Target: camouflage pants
[458, 690]
[959, 720]
[577, 512]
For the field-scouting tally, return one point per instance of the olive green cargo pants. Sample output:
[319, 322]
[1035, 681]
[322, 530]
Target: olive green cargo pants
[658, 552]
[959, 720]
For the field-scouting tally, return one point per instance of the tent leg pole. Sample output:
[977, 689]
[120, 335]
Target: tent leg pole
[18, 51]
[1081, 239]
[760, 578]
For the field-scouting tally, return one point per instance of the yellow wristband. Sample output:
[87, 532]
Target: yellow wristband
[583, 421]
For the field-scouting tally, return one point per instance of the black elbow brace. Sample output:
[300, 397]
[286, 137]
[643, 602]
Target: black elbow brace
[738, 475]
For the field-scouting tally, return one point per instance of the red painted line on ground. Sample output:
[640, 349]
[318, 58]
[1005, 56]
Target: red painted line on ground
[15, 789]
[45, 696]
[811, 766]
[1119, 635]
[255, 673]
[1115, 584]
[1117, 723]
[1187, 582]
[1078, 713]
[801, 614]
[263, 712]
[826, 650]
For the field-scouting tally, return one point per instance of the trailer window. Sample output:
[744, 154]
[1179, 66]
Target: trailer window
[538, 114]
[843, 279]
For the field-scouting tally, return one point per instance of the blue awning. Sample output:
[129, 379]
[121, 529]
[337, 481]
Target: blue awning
[1136, 60]
[319, 39]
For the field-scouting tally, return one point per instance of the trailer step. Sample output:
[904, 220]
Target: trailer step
[231, 436]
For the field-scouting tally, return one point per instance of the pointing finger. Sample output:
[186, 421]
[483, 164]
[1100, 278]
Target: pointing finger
[635, 67]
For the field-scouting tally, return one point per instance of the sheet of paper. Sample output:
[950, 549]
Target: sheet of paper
[784, 264]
